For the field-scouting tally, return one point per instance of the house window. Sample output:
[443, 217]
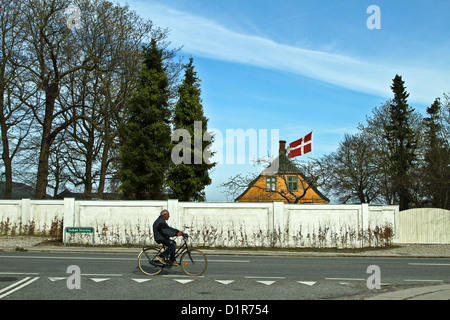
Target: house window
[271, 183]
[293, 184]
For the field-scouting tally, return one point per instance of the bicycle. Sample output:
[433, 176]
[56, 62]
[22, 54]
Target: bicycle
[193, 262]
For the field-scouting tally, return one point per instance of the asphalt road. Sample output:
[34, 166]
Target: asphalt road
[37, 275]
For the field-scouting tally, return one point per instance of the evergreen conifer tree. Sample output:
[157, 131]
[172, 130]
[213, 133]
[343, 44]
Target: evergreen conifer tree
[145, 153]
[401, 142]
[187, 180]
[437, 159]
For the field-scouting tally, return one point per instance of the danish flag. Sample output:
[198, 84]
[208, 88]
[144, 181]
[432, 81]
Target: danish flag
[301, 146]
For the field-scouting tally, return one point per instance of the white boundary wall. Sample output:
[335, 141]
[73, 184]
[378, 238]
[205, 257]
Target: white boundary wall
[39, 214]
[425, 225]
[213, 224]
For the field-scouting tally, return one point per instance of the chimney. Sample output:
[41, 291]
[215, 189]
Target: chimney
[282, 147]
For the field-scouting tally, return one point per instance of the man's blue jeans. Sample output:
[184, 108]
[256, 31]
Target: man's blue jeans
[171, 245]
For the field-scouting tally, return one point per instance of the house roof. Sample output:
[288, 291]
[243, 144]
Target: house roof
[19, 191]
[23, 191]
[81, 196]
[281, 165]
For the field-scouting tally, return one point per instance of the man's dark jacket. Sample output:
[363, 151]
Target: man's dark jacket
[162, 231]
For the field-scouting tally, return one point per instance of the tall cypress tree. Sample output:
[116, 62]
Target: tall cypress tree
[145, 152]
[401, 141]
[187, 180]
[437, 159]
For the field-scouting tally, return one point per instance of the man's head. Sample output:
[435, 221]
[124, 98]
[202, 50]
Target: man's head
[165, 214]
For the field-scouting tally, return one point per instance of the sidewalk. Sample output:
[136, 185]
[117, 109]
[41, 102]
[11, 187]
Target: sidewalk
[436, 292]
[430, 292]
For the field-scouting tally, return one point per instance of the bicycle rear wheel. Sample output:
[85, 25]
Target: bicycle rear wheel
[193, 262]
[147, 262]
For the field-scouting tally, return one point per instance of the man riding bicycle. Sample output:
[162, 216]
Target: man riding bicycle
[162, 233]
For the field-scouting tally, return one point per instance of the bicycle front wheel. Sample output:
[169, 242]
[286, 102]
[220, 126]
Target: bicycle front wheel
[147, 262]
[193, 262]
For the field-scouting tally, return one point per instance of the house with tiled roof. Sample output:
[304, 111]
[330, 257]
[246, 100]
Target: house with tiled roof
[282, 181]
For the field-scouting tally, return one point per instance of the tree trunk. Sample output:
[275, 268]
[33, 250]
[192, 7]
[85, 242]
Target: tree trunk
[5, 154]
[46, 142]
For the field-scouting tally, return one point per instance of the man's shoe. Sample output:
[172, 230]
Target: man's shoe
[161, 259]
[175, 263]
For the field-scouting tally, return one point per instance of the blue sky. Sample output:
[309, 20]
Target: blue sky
[298, 66]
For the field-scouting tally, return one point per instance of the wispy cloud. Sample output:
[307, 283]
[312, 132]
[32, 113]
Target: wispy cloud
[204, 37]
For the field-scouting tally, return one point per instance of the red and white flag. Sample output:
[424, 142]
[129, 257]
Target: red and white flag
[301, 146]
